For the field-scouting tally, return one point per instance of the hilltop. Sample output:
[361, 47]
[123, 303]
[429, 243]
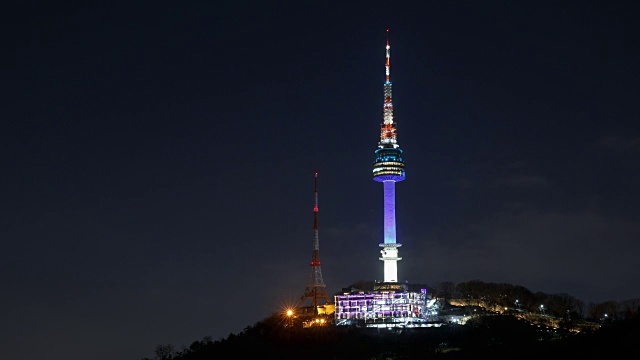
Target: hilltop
[495, 325]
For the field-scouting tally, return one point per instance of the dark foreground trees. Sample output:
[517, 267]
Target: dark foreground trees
[499, 337]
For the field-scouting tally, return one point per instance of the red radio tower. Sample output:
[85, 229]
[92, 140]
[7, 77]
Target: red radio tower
[316, 289]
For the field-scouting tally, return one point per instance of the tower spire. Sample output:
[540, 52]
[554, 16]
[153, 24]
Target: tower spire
[388, 128]
[388, 63]
[388, 168]
[316, 289]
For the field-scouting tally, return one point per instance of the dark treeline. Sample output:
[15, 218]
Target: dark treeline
[498, 335]
[515, 296]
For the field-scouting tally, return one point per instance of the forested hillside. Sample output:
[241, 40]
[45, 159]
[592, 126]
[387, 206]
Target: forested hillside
[520, 328]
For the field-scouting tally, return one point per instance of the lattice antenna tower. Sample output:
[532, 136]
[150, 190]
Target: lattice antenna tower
[316, 289]
[388, 168]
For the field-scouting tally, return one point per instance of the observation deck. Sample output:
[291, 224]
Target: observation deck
[388, 165]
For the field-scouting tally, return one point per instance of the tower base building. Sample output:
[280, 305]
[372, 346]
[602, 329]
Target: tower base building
[387, 306]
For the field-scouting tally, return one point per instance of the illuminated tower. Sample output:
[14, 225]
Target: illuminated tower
[316, 289]
[388, 168]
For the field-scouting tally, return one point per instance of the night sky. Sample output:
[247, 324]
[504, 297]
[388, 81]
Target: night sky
[158, 159]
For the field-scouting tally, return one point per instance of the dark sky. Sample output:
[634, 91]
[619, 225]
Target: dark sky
[158, 159]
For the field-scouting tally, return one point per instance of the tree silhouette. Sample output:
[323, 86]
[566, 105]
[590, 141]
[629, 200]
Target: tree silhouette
[164, 352]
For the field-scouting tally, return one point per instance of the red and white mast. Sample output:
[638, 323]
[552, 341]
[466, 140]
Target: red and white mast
[316, 289]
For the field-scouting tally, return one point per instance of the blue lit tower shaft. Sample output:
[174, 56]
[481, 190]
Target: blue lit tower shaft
[388, 168]
[316, 288]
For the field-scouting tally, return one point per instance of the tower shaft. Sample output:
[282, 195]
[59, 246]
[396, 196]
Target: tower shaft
[388, 168]
[316, 289]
